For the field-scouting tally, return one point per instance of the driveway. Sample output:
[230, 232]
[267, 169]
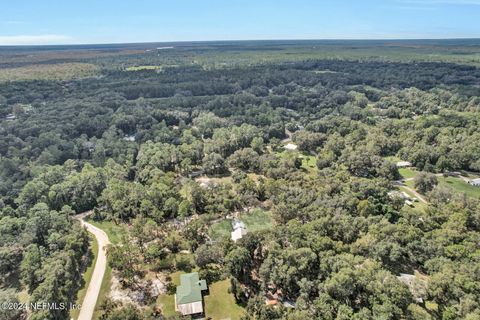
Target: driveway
[93, 290]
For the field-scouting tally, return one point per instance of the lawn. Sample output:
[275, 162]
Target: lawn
[407, 173]
[459, 185]
[220, 230]
[417, 205]
[115, 232]
[309, 162]
[167, 301]
[220, 304]
[86, 277]
[256, 220]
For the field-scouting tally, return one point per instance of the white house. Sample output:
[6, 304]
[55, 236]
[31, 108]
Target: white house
[291, 147]
[403, 164]
[475, 182]
[239, 230]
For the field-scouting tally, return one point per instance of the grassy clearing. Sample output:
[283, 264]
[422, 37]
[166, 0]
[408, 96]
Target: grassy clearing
[220, 229]
[115, 232]
[256, 220]
[167, 301]
[407, 173]
[220, 304]
[417, 205]
[23, 296]
[86, 276]
[309, 162]
[140, 68]
[59, 71]
[460, 186]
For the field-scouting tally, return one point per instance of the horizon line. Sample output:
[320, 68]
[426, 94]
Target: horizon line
[236, 40]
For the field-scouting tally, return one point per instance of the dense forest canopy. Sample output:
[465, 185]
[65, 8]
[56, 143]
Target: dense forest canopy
[125, 130]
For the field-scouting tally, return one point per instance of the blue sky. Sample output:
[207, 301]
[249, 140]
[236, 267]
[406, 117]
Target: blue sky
[116, 21]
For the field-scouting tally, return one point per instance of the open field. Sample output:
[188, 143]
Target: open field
[460, 186]
[407, 173]
[140, 68]
[220, 304]
[220, 229]
[167, 301]
[59, 71]
[417, 205]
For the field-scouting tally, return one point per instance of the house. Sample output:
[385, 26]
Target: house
[130, 138]
[195, 174]
[189, 295]
[403, 164]
[10, 117]
[239, 230]
[291, 147]
[475, 182]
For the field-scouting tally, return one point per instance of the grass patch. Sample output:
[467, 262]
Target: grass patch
[115, 232]
[58, 71]
[23, 296]
[407, 173]
[256, 220]
[140, 68]
[417, 205]
[167, 304]
[167, 301]
[220, 304]
[87, 276]
[309, 162]
[220, 230]
[459, 185]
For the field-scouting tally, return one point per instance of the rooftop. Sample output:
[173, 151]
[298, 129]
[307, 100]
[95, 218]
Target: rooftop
[190, 288]
[291, 146]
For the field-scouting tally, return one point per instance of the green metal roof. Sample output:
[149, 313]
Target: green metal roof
[190, 288]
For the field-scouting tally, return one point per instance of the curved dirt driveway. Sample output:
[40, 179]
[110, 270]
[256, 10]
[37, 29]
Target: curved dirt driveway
[93, 290]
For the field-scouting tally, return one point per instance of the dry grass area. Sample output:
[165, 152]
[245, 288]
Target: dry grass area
[60, 71]
[73, 55]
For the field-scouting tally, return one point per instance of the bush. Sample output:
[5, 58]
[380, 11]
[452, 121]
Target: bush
[184, 264]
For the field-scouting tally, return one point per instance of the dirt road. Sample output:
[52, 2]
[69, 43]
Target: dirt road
[416, 194]
[93, 290]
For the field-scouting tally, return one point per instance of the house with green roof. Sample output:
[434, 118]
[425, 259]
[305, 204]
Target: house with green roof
[189, 297]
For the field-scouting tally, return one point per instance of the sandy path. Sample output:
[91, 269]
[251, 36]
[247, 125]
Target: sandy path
[91, 296]
[416, 194]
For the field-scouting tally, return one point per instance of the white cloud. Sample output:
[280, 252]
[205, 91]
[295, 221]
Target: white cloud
[34, 40]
